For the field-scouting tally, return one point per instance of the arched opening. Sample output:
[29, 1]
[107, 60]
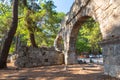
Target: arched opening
[85, 36]
[87, 43]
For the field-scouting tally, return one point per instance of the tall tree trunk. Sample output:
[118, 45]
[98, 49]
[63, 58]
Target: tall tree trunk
[10, 35]
[32, 39]
[31, 31]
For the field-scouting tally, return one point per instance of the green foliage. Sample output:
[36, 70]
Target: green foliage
[5, 18]
[88, 37]
[44, 23]
[48, 24]
[39, 18]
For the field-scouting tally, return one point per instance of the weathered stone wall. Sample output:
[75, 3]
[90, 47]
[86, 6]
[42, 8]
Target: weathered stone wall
[31, 57]
[106, 13]
[111, 54]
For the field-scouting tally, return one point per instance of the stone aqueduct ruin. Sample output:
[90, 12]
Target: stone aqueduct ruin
[107, 14]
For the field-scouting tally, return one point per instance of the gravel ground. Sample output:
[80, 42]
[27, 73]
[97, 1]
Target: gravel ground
[56, 72]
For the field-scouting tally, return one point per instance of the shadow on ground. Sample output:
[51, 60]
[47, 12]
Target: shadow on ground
[56, 72]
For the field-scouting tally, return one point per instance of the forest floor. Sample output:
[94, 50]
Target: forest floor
[56, 72]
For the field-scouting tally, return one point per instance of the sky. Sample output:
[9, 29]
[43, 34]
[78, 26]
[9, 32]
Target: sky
[63, 5]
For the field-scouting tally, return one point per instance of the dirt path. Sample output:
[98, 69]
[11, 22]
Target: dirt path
[57, 72]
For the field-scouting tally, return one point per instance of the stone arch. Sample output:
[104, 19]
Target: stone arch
[72, 37]
[107, 14]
